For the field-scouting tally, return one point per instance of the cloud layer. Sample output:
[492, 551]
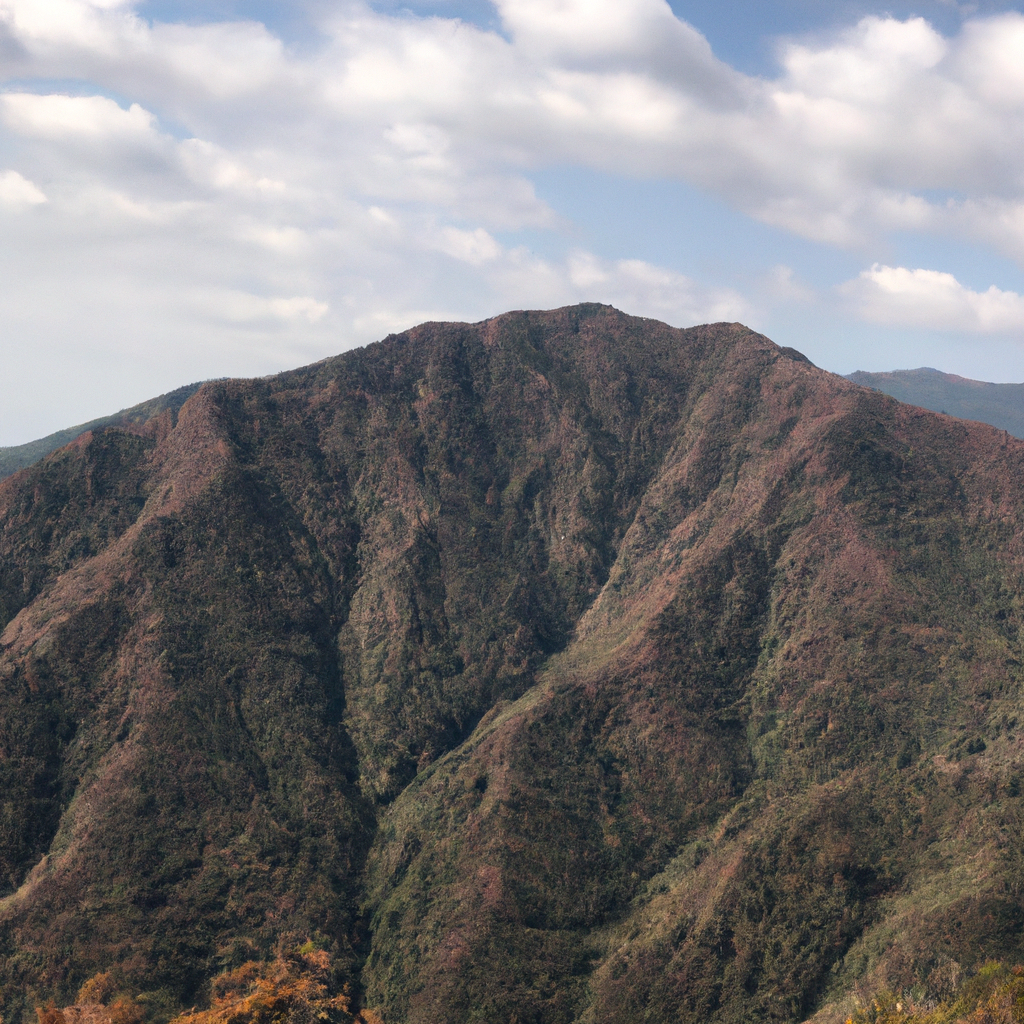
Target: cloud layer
[203, 199]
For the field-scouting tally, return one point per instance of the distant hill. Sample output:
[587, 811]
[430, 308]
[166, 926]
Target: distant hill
[1001, 405]
[19, 456]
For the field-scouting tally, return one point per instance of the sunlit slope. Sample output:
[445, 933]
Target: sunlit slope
[563, 667]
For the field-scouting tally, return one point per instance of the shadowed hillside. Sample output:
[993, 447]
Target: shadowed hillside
[566, 667]
[1002, 405]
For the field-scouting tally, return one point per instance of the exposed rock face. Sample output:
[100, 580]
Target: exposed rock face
[563, 667]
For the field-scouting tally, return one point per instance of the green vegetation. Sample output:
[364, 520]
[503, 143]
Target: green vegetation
[565, 668]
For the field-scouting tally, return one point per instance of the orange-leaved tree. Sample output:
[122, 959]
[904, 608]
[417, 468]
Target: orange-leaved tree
[293, 988]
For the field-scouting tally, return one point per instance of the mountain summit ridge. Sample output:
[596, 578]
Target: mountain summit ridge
[565, 667]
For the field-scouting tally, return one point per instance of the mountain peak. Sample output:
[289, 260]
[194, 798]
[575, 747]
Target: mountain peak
[566, 666]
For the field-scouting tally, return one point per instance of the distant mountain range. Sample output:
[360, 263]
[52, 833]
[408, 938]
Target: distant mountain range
[1002, 405]
[563, 668]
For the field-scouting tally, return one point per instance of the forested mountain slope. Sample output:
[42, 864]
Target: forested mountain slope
[19, 456]
[566, 667]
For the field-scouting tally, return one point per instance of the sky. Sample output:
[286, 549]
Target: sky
[193, 189]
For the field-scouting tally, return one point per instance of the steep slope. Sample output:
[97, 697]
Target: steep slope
[1001, 405]
[780, 756]
[231, 640]
[19, 456]
[563, 667]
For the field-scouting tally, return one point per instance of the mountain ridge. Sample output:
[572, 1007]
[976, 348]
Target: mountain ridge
[1001, 405]
[562, 667]
[15, 457]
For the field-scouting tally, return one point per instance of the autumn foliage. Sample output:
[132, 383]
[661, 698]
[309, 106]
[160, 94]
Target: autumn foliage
[292, 988]
[295, 988]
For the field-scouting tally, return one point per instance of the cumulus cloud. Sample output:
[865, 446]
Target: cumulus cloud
[473, 247]
[18, 191]
[653, 291]
[57, 117]
[853, 135]
[897, 296]
[839, 145]
[245, 308]
[206, 175]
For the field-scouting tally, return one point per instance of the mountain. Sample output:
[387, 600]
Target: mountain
[19, 456]
[564, 667]
[1002, 405]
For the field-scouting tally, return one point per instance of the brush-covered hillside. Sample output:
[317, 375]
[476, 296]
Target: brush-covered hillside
[565, 668]
[19, 456]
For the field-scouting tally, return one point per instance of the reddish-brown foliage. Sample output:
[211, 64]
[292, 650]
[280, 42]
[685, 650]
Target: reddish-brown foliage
[566, 666]
[293, 988]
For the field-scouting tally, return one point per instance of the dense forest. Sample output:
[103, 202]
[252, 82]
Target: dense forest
[558, 669]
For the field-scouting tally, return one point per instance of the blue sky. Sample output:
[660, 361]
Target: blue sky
[225, 188]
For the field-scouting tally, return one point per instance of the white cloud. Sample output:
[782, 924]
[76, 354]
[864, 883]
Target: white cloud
[221, 62]
[58, 117]
[590, 26]
[244, 308]
[46, 24]
[473, 247]
[867, 65]
[307, 195]
[18, 191]
[897, 296]
[989, 60]
[848, 142]
[209, 164]
[653, 291]
[782, 284]
[302, 307]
